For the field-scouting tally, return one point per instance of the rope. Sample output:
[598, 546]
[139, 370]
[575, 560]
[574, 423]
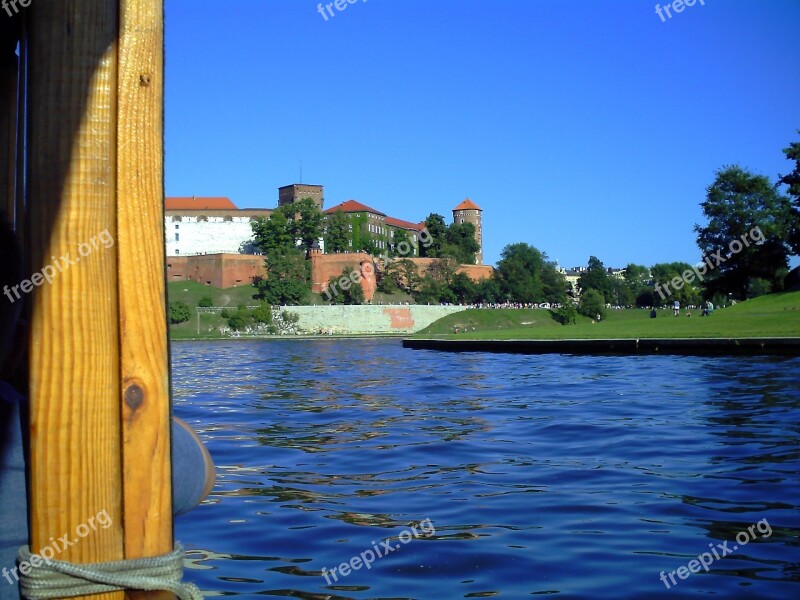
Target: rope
[60, 579]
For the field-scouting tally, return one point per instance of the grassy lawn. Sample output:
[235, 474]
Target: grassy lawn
[191, 292]
[776, 315]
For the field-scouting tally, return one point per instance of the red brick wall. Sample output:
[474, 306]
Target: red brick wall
[231, 270]
[325, 266]
[217, 270]
[474, 272]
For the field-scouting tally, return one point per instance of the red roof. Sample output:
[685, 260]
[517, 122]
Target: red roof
[195, 203]
[467, 205]
[352, 206]
[404, 224]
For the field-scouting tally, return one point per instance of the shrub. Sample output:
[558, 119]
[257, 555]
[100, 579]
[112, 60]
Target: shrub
[290, 318]
[592, 304]
[567, 314]
[205, 302]
[239, 321]
[225, 313]
[179, 312]
[263, 314]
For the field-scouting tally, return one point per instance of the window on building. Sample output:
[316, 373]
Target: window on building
[177, 227]
[177, 252]
[177, 237]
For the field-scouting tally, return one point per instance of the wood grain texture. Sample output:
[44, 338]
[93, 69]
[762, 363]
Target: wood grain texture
[142, 288]
[75, 424]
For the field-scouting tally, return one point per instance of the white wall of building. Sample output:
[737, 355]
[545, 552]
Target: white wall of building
[215, 235]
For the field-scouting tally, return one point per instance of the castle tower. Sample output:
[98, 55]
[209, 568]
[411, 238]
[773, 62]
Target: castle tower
[297, 191]
[469, 212]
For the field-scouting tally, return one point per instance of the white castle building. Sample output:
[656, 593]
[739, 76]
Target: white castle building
[208, 226]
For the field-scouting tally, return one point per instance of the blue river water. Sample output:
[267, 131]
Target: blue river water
[488, 475]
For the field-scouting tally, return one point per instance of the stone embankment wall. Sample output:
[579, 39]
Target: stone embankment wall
[368, 318]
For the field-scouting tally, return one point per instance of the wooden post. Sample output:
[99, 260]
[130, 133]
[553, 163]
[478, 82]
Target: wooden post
[142, 281]
[99, 370]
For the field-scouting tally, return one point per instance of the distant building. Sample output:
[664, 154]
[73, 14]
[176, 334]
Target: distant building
[364, 223]
[195, 226]
[469, 212]
[295, 192]
[412, 230]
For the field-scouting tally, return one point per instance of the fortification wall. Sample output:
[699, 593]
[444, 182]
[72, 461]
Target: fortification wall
[368, 318]
[218, 270]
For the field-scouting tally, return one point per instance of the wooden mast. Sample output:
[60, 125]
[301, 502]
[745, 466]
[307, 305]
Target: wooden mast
[99, 385]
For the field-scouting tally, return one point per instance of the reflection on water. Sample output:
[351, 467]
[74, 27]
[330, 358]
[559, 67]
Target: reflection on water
[576, 476]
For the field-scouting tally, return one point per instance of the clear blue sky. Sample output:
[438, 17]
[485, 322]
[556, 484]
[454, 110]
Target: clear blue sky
[579, 126]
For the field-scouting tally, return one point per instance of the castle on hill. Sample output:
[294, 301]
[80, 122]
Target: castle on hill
[200, 226]
[210, 239]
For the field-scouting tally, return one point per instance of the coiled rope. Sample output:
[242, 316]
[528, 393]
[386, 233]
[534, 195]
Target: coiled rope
[59, 579]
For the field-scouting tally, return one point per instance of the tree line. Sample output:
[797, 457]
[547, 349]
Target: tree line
[735, 203]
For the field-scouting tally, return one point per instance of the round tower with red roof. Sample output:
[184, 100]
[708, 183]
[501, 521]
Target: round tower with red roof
[469, 212]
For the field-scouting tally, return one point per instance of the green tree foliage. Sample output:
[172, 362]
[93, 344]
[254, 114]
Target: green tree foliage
[460, 243]
[401, 244]
[404, 274]
[287, 280]
[592, 304]
[290, 224]
[262, 314]
[205, 302]
[735, 204]
[438, 230]
[343, 290]
[274, 233]
[464, 289]
[567, 314]
[665, 276]
[179, 312]
[305, 222]
[793, 181]
[525, 275]
[488, 291]
[456, 240]
[596, 277]
[337, 234]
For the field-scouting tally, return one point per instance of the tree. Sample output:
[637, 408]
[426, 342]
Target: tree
[262, 314]
[460, 243]
[350, 293]
[401, 244]
[567, 314]
[305, 222]
[665, 275]
[592, 304]
[793, 181]
[464, 289]
[443, 270]
[287, 280]
[404, 273]
[337, 234]
[205, 302]
[488, 290]
[179, 312]
[273, 233]
[596, 278]
[525, 275]
[738, 204]
[290, 224]
[437, 229]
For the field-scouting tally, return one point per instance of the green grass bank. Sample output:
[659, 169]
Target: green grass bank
[775, 315]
